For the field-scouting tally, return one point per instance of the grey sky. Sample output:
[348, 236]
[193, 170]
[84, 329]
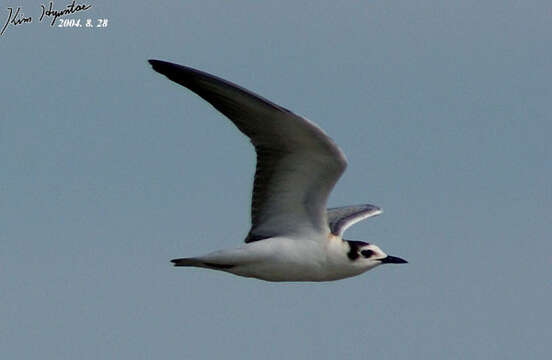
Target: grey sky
[109, 170]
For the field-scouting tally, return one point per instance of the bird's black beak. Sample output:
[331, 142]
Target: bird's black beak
[393, 260]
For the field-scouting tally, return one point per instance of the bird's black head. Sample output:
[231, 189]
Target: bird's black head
[360, 250]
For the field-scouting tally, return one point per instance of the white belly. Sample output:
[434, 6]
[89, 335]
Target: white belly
[281, 259]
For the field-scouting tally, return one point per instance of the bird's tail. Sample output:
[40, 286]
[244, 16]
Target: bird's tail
[187, 262]
[199, 263]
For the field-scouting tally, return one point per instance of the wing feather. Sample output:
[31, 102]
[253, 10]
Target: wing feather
[341, 218]
[297, 163]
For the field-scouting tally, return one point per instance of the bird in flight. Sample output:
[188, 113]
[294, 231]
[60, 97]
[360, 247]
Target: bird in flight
[293, 237]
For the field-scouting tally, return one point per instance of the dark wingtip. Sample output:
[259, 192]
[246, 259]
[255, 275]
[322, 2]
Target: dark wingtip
[177, 73]
[157, 65]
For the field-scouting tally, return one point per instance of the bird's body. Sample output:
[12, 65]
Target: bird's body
[283, 259]
[293, 236]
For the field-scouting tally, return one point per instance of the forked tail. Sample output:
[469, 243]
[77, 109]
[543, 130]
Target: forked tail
[198, 263]
[187, 262]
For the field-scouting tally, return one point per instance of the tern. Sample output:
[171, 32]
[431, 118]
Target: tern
[293, 237]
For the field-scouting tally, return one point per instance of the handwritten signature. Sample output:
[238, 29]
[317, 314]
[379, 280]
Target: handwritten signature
[70, 9]
[16, 17]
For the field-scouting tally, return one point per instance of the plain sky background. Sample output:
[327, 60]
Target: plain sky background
[108, 170]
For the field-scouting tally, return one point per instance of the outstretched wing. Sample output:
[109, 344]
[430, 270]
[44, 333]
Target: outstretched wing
[297, 163]
[341, 218]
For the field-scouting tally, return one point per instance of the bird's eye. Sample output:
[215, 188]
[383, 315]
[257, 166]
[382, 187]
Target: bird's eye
[367, 253]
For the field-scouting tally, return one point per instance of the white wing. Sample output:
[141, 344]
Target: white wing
[297, 163]
[341, 218]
